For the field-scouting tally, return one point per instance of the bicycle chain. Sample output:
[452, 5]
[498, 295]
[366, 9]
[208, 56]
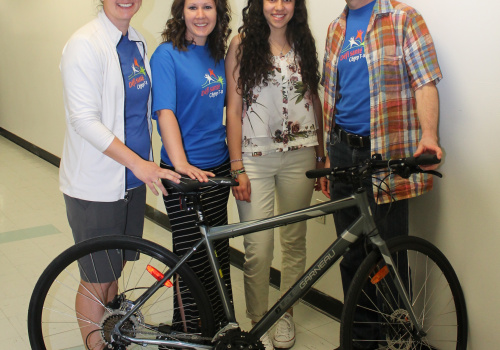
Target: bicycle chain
[179, 336]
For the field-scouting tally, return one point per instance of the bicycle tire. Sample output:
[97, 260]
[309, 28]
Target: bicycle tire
[438, 302]
[52, 319]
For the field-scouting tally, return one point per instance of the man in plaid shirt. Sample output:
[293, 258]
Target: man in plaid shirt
[380, 72]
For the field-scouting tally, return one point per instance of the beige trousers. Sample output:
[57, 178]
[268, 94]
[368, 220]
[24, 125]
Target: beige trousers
[279, 176]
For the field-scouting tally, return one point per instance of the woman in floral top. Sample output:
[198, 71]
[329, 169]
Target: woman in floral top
[275, 134]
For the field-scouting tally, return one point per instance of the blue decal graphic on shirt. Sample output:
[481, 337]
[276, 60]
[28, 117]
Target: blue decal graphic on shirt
[213, 86]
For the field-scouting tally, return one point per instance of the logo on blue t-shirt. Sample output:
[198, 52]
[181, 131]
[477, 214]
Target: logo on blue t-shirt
[138, 76]
[214, 85]
[354, 48]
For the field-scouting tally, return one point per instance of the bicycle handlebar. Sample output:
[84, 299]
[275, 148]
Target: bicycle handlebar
[424, 159]
[403, 167]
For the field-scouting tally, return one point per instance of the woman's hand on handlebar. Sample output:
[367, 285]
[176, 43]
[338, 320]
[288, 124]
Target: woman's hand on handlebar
[193, 172]
[243, 191]
[317, 183]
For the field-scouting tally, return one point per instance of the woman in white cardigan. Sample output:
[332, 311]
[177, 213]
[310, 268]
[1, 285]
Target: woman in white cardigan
[107, 156]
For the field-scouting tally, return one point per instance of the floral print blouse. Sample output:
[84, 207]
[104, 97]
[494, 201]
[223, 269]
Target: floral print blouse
[278, 115]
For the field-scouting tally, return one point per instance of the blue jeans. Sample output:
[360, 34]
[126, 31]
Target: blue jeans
[391, 220]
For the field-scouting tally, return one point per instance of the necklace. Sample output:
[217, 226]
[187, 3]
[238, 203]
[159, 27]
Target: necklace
[277, 48]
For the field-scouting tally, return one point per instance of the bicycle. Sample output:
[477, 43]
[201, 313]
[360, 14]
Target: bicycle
[420, 303]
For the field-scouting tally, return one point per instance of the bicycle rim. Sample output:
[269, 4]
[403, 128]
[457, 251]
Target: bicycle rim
[374, 317]
[179, 310]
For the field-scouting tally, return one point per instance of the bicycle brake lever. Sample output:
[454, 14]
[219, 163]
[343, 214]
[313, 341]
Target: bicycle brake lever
[405, 172]
[432, 172]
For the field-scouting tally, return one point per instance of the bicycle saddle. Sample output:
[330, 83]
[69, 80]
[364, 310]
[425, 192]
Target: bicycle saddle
[189, 185]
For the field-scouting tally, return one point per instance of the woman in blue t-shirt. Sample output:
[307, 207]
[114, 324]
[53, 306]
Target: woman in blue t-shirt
[188, 102]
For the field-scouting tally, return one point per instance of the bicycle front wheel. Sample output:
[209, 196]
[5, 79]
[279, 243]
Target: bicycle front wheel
[375, 317]
[87, 290]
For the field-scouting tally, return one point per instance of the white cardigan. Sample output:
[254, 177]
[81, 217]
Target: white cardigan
[94, 100]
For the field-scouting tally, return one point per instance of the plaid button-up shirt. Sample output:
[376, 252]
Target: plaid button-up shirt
[401, 58]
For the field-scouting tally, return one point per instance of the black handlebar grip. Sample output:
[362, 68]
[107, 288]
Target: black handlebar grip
[424, 159]
[314, 174]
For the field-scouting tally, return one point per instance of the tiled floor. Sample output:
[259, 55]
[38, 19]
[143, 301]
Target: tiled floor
[34, 229]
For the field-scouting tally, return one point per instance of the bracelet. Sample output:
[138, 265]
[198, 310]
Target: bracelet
[235, 173]
[235, 160]
[321, 159]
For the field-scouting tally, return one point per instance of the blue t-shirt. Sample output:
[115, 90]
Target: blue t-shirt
[192, 86]
[353, 106]
[137, 90]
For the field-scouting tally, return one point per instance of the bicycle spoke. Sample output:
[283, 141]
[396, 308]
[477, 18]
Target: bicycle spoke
[431, 287]
[114, 284]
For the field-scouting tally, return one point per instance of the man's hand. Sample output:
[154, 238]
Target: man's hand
[429, 145]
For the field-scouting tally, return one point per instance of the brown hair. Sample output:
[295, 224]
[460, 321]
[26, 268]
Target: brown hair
[175, 29]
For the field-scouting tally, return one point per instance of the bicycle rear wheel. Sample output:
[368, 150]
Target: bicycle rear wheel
[374, 317]
[126, 265]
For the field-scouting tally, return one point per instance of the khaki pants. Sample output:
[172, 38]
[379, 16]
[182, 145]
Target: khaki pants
[281, 176]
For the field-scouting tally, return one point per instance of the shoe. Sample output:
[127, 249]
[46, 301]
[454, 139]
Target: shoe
[266, 341]
[284, 335]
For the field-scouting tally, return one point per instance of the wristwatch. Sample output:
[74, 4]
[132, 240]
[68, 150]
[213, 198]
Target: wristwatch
[321, 159]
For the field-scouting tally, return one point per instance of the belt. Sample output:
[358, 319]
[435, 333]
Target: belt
[352, 140]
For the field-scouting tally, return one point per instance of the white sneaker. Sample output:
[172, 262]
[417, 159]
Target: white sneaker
[284, 335]
[266, 341]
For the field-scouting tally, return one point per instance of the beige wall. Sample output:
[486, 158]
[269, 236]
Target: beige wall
[460, 215]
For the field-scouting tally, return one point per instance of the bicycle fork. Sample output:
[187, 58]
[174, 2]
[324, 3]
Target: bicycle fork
[398, 283]
[376, 239]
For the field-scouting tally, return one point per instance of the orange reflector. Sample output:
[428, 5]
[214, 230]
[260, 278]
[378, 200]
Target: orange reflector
[380, 275]
[158, 275]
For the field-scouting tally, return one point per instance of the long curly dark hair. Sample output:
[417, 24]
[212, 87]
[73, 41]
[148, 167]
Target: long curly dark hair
[254, 52]
[175, 29]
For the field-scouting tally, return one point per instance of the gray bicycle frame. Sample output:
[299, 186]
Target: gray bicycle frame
[363, 224]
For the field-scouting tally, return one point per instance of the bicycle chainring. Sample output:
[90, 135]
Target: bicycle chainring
[239, 340]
